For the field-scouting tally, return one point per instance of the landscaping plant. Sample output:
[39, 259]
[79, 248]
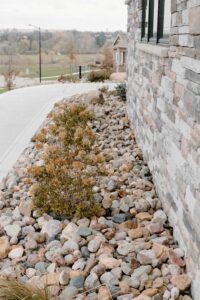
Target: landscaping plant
[12, 289]
[121, 90]
[97, 76]
[64, 183]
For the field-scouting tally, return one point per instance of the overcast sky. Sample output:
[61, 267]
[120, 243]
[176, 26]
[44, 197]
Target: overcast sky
[64, 14]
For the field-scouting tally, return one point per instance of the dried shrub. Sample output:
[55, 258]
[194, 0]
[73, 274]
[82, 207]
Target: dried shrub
[98, 100]
[13, 289]
[64, 183]
[9, 78]
[98, 76]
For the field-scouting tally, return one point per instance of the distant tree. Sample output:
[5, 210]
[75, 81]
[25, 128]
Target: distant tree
[23, 45]
[71, 53]
[108, 57]
[9, 74]
[100, 39]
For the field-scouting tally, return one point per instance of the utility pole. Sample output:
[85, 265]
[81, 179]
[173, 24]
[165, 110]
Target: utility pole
[40, 54]
[40, 50]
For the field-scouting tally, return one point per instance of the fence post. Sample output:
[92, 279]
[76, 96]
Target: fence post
[80, 72]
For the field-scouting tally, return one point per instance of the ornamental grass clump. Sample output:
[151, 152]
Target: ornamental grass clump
[12, 289]
[63, 184]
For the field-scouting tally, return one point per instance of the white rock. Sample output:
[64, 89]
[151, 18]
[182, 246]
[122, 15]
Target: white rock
[64, 277]
[175, 293]
[91, 281]
[70, 232]
[30, 272]
[5, 220]
[94, 244]
[79, 264]
[159, 216]
[13, 230]
[51, 228]
[166, 295]
[51, 268]
[69, 247]
[16, 253]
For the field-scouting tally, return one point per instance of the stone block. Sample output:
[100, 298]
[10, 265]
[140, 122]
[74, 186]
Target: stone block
[192, 76]
[194, 20]
[177, 67]
[192, 105]
[186, 40]
[185, 17]
[193, 3]
[191, 64]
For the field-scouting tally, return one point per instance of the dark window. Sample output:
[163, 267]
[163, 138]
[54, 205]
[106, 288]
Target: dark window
[145, 18]
[156, 20]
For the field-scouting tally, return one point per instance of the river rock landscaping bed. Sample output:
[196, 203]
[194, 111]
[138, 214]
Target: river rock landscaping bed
[127, 252]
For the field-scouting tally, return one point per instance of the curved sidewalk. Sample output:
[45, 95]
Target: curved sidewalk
[22, 111]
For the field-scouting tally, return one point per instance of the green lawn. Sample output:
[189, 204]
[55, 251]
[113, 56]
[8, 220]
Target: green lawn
[27, 65]
[3, 90]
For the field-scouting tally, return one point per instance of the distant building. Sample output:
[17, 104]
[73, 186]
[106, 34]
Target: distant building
[120, 53]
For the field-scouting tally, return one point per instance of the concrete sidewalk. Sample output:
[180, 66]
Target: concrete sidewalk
[22, 111]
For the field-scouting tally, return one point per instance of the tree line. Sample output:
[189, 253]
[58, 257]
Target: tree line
[58, 42]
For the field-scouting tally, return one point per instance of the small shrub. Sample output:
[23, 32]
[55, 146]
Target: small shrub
[98, 100]
[104, 89]
[9, 78]
[71, 78]
[64, 183]
[12, 289]
[121, 91]
[97, 76]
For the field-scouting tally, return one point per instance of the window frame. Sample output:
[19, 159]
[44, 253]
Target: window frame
[149, 36]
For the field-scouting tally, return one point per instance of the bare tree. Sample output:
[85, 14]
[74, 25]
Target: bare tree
[71, 53]
[9, 74]
[108, 57]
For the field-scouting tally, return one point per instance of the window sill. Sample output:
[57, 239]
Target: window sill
[156, 50]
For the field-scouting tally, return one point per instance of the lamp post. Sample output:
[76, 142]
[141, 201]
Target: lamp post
[40, 50]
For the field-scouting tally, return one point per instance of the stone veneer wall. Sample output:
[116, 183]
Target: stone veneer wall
[164, 108]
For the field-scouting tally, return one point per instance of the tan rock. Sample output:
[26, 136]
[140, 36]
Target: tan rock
[174, 259]
[150, 292]
[142, 297]
[126, 226]
[26, 207]
[158, 283]
[182, 282]
[74, 274]
[110, 262]
[160, 252]
[144, 216]
[105, 249]
[51, 279]
[124, 287]
[4, 247]
[104, 293]
[135, 292]
[133, 211]
[135, 233]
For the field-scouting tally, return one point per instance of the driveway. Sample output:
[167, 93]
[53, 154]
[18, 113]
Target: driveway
[22, 111]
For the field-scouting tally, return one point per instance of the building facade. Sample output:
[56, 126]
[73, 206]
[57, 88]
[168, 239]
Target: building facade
[120, 53]
[163, 70]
